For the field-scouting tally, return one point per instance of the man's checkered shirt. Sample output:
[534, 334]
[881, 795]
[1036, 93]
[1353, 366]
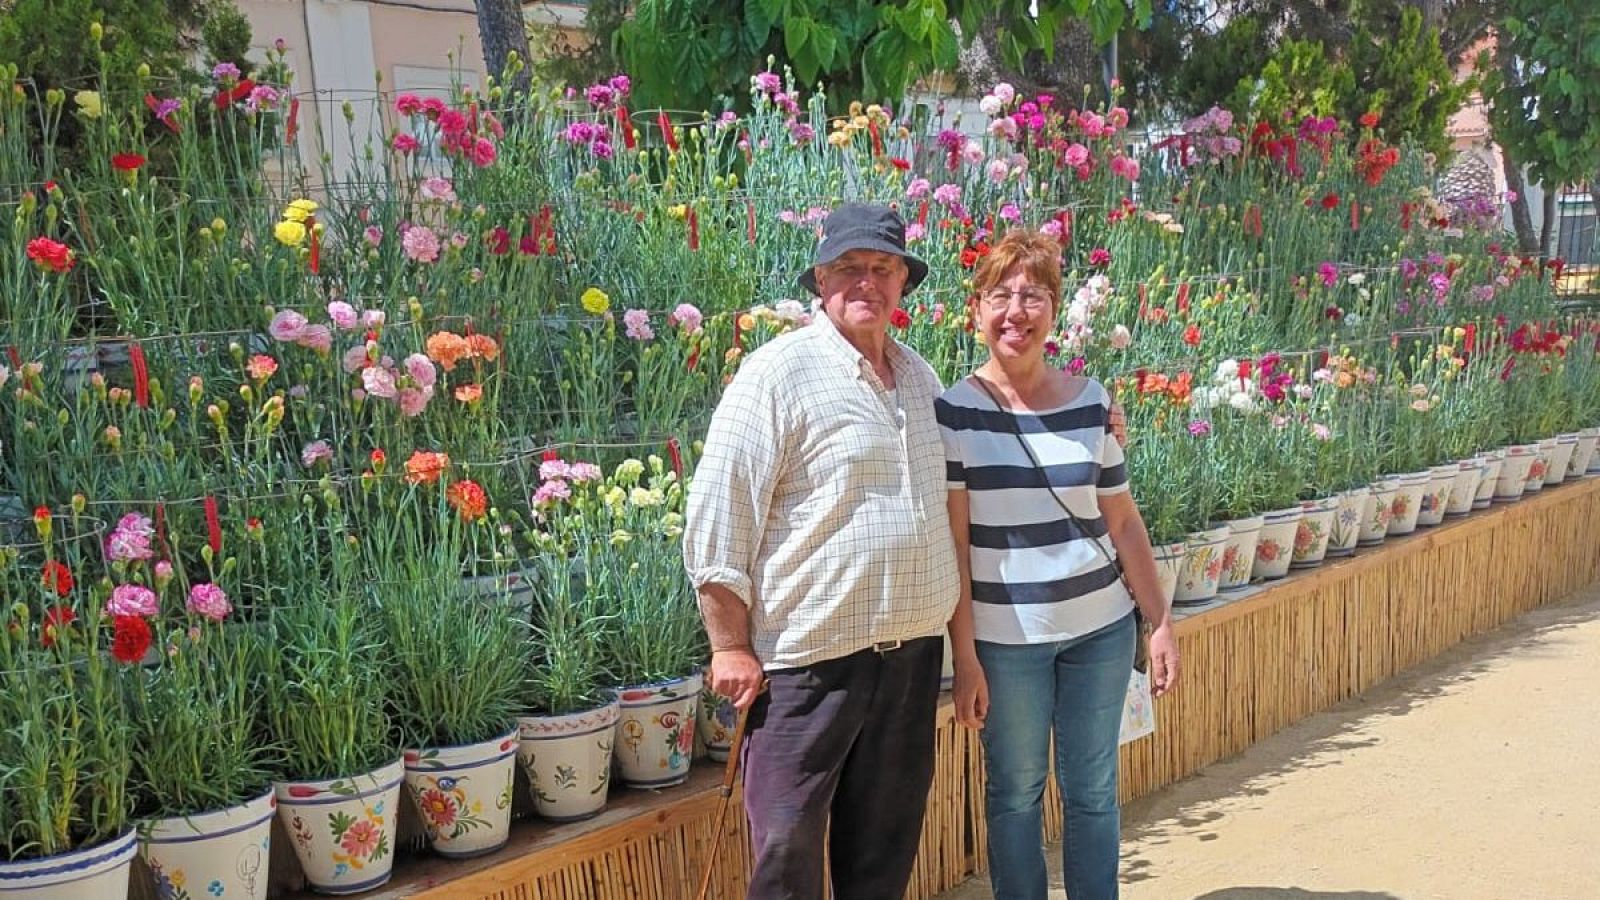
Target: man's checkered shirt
[820, 500]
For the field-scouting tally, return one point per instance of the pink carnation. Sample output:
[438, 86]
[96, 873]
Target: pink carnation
[343, 315]
[315, 452]
[404, 144]
[379, 382]
[483, 153]
[554, 468]
[355, 359]
[436, 188]
[287, 326]
[210, 601]
[316, 337]
[421, 370]
[131, 600]
[421, 244]
[583, 471]
[414, 400]
[636, 324]
[551, 491]
[688, 317]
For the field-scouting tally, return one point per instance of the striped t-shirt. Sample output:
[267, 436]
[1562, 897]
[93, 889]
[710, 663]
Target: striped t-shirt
[1036, 577]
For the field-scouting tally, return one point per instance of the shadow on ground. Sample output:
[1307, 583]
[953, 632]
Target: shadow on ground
[1326, 739]
[1292, 894]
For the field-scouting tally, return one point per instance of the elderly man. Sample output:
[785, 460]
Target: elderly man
[818, 539]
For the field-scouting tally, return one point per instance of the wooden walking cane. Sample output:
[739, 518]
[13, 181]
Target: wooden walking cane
[730, 775]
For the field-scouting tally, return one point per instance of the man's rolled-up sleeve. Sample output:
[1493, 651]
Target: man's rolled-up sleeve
[733, 485]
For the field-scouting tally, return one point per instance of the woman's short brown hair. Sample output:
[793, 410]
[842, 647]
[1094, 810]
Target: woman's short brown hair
[1036, 253]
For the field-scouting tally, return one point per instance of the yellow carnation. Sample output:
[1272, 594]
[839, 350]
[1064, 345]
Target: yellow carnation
[89, 104]
[595, 302]
[289, 233]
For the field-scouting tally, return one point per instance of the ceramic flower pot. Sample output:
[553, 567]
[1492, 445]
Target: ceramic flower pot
[1541, 465]
[1561, 458]
[1202, 567]
[1345, 530]
[88, 873]
[1275, 547]
[464, 794]
[655, 733]
[1515, 471]
[1464, 490]
[716, 714]
[1407, 502]
[1583, 454]
[214, 854]
[1436, 496]
[1169, 565]
[568, 761]
[343, 828]
[1493, 464]
[1377, 512]
[1313, 531]
[1239, 552]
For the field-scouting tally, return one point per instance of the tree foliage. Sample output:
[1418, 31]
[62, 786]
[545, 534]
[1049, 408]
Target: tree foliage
[694, 53]
[1545, 97]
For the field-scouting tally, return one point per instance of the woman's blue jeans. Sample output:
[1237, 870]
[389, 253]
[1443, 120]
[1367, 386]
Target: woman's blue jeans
[1074, 689]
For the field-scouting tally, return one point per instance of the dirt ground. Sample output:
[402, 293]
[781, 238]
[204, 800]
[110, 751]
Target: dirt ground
[1475, 776]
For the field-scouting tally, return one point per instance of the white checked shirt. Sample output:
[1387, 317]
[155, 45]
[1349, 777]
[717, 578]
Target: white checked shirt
[820, 500]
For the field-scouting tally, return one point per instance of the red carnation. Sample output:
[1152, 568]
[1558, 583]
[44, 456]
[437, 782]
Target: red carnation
[52, 255]
[130, 638]
[55, 620]
[57, 577]
[127, 162]
[900, 318]
[1330, 201]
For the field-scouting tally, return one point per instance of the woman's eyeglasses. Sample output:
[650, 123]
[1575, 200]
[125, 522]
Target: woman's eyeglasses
[999, 299]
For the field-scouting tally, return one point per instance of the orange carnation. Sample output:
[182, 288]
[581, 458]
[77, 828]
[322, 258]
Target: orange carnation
[447, 348]
[425, 467]
[484, 347]
[469, 393]
[468, 498]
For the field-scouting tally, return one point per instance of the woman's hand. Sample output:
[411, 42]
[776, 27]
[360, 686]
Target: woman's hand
[1163, 660]
[1118, 421]
[971, 694]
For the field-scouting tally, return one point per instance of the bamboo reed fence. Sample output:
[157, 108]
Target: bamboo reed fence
[1251, 666]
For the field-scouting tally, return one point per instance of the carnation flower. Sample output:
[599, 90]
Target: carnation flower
[209, 601]
[131, 600]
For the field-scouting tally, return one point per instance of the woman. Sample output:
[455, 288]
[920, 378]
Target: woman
[1043, 638]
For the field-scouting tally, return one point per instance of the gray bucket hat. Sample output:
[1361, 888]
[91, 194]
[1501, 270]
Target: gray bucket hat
[863, 226]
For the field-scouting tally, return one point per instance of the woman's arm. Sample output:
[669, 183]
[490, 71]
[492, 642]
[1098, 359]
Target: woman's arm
[971, 689]
[1126, 528]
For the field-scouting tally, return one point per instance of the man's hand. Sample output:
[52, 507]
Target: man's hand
[736, 674]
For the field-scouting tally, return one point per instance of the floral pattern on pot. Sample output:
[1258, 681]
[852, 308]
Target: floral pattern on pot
[1344, 530]
[1379, 512]
[655, 736]
[568, 761]
[222, 853]
[718, 716]
[343, 830]
[464, 794]
[1202, 567]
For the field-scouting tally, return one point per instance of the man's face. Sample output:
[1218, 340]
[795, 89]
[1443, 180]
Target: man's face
[861, 289]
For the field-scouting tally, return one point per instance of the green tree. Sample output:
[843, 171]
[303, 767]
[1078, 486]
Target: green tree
[1544, 94]
[693, 53]
[1399, 69]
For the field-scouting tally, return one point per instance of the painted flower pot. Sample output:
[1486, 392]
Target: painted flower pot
[88, 873]
[214, 854]
[1583, 454]
[1239, 552]
[1312, 533]
[464, 794]
[1561, 459]
[1169, 566]
[1436, 496]
[1515, 472]
[1202, 567]
[1541, 465]
[1464, 491]
[1494, 462]
[1377, 512]
[568, 761]
[655, 733]
[1407, 502]
[716, 716]
[1275, 548]
[1345, 530]
[343, 828]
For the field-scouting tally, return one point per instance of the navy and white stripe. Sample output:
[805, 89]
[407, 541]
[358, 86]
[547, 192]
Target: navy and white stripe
[1036, 575]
